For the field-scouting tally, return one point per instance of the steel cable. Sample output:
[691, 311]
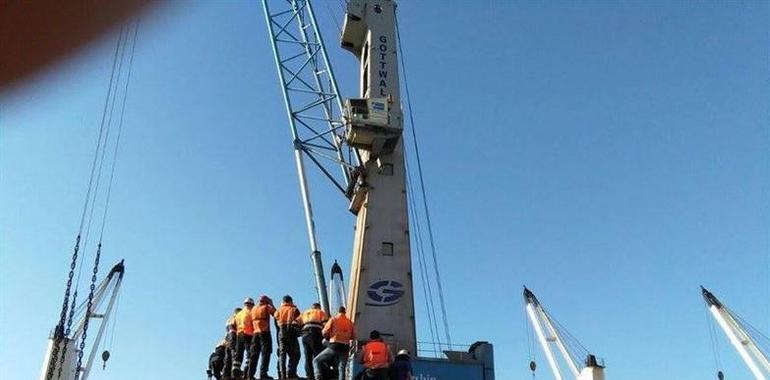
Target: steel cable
[415, 143]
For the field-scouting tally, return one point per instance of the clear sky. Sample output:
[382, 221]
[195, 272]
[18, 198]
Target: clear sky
[612, 157]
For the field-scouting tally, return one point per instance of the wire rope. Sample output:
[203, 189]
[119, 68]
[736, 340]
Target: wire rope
[120, 132]
[714, 341]
[431, 238]
[71, 298]
[424, 275]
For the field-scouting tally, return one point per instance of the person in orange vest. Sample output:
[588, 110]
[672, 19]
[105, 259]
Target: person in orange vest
[262, 344]
[341, 334]
[312, 321]
[245, 332]
[376, 358]
[231, 334]
[288, 332]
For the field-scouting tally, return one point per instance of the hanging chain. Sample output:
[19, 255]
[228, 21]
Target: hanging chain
[59, 333]
[88, 310]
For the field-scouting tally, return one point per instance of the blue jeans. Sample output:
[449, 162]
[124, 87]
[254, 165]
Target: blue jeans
[335, 354]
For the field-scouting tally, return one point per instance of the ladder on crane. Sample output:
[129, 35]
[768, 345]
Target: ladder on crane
[549, 335]
[739, 336]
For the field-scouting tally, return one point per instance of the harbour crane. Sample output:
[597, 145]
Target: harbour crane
[739, 336]
[68, 357]
[549, 335]
[357, 144]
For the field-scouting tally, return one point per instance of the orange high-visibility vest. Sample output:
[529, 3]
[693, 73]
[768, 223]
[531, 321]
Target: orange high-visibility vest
[313, 318]
[339, 329]
[286, 314]
[261, 317]
[376, 355]
[244, 323]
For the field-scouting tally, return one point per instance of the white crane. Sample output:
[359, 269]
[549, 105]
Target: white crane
[357, 144]
[362, 137]
[107, 291]
[737, 333]
[549, 335]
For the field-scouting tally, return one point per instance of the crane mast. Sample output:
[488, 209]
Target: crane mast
[548, 336]
[107, 291]
[381, 290]
[747, 348]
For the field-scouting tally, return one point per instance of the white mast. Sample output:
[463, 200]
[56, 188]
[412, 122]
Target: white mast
[755, 359]
[548, 336]
[107, 290]
[337, 295]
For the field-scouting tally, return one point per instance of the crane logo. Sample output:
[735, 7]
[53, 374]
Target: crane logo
[385, 293]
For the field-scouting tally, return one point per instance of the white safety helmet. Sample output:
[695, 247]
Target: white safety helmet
[404, 353]
[248, 300]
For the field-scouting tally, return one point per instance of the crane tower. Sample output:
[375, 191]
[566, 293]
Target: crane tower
[381, 292]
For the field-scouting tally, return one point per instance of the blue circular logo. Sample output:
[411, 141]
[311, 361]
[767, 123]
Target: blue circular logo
[385, 293]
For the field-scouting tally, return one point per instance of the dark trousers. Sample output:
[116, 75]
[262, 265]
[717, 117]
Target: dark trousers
[311, 346]
[230, 338]
[261, 345]
[242, 345]
[215, 366]
[377, 374]
[288, 346]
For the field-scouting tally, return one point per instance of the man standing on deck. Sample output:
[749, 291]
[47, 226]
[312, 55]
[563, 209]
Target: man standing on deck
[245, 332]
[263, 340]
[231, 335]
[341, 333]
[376, 358]
[312, 321]
[286, 317]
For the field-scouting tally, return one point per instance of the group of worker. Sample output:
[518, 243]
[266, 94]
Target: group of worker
[327, 345]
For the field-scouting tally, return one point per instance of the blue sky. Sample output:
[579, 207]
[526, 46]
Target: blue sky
[612, 157]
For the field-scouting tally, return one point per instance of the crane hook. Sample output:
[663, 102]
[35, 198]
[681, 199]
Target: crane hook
[105, 357]
[720, 375]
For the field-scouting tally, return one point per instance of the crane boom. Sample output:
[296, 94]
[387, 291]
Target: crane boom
[314, 108]
[747, 348]
[107, 291]
[548, 335]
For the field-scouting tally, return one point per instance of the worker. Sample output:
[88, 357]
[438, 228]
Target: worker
[312, 322]
[401, 369]
[288, 332]
[231, 335]
[262, 344]
[217, 361]
[375, 357]
[341, 333]
[244, 334]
